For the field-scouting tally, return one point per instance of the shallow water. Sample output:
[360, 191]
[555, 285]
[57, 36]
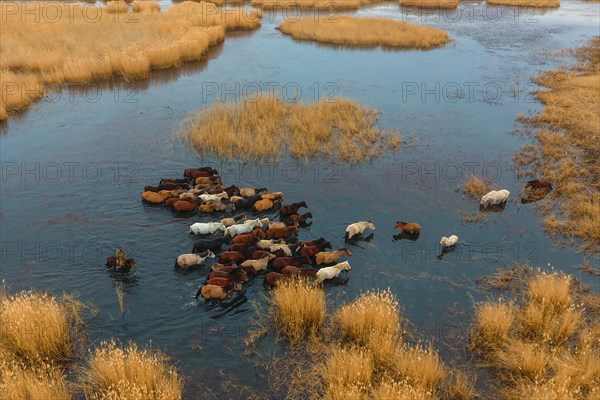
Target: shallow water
[73, 167]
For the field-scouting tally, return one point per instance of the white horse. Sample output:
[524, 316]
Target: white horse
[245, 227]
[333, 271]
[358, 227]
[215, 197]
[495, 197]
[205, 228]
[186, 260]
[449, 241]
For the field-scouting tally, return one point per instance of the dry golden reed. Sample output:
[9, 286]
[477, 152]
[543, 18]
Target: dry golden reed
[298, 308]
[270, 127]
[80, 43]
[568, 147]
[476, 187]
[526, 3]
[44, 381]
[353, 31]
[442, 4]
[35, 326]
[541, 345]
[130, 373]
[332, 5]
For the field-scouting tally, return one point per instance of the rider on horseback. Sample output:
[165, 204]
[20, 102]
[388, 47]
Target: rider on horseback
[121, 256]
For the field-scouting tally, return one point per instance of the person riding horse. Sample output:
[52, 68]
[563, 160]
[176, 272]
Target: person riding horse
[121, 256]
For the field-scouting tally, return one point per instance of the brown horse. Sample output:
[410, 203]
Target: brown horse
[264, 205]
[300, 219]
[218, 281]
[245, 238]
[258, 233]
[291, 270]
[536, 184]
[184, 205]
[310, 250]
[130, 264]
[282, 233]
[411, 227]
[330, 257]
[291, 209]
[213, 206]
[272, 278]
[281, 262]
[229, 256]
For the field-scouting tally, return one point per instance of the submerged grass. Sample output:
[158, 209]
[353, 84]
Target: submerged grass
[567, 149]
[271, 127]
[39, 51]
[353, 31]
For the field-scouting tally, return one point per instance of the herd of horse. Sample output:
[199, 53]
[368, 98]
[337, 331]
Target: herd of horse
[246, 247]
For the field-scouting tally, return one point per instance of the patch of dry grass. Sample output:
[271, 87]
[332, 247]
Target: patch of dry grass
[35, 326]
[19, 381]
[476, 187]
[526, 3]
[348, 371]
[372, 32]
[401, 390]
[38, 50]
[542, 345]
[568, 147]
[270, 127]
[492, 325]
[332, 5]
[298, 308]
[433, 4]
[130, 373]
[38, 333]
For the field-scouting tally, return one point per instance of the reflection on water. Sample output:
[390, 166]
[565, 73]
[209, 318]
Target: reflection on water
[58, 230]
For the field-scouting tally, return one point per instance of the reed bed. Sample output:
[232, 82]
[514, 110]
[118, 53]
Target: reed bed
[298, 308]
[567, 135]
[542, 344]
[270, 127]
[352, 31]
[130, 373]
[476, 187]
[358, 352]
[526, 3]
[332, 5]
[20, 381]
[430, 4]
[38, 51]
[35, 326]
[38, 333]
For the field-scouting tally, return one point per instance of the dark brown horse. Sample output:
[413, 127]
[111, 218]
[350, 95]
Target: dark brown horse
[282, 262]
[300, 219]
[291, 209]
[291, 270]
[536, 184]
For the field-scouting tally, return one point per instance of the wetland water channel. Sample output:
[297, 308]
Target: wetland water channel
[74, 167]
